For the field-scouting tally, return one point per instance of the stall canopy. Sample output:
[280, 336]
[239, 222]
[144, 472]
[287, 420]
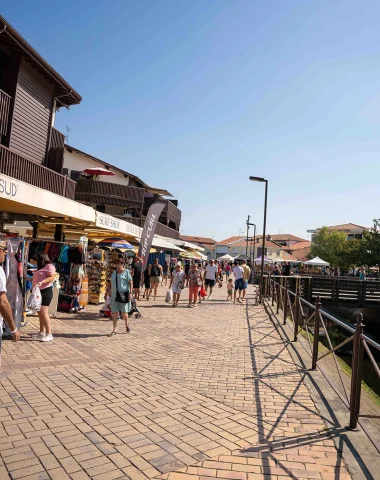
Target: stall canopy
[318, 262]
[241, 257]
[226, 257]
[259, 260]
[115, 243]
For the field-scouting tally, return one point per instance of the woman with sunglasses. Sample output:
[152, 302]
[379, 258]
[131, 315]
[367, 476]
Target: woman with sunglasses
[119, 288]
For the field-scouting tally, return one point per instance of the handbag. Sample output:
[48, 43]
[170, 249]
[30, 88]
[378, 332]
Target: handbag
[121, 297]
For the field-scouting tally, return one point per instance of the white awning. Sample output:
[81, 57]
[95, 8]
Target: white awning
[161, 243]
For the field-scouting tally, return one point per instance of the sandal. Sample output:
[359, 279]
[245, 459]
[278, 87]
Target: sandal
[128, 329]
[112, 334]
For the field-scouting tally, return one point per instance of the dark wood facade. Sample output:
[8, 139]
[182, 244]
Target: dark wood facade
[171, 214]
[31, 150]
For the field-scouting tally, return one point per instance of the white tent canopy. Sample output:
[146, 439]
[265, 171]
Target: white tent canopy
[317, 262]
[226, 257]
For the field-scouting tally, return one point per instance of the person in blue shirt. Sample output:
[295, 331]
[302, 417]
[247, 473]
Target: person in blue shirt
[120, 283]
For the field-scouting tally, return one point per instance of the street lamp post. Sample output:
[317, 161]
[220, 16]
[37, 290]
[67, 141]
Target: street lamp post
[262, 180]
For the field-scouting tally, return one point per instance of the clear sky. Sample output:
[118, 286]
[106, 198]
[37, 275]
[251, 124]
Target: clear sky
[196, 95]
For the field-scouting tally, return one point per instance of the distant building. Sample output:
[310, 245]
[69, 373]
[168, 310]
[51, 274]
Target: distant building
[284, 239]
[237, 245]
[352, 230]
[198, 240]
[209, 250]
[299, 250]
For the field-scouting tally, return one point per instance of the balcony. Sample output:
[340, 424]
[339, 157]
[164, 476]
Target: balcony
[170, 212]
[5, 103]
[165, 231]
[97, 192]
[20, 168]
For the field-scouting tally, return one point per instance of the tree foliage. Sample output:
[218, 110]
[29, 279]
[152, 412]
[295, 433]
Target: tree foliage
[334, 247]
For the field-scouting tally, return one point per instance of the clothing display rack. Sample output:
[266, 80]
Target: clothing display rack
[70, 263]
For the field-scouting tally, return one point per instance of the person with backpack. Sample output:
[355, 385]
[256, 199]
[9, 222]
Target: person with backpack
[155, 277]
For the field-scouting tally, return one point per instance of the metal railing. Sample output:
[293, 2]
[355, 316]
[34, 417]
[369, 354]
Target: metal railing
[309, 317]
[5, 103]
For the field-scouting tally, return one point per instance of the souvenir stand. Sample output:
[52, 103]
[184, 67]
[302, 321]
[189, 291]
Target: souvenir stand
[70, 289]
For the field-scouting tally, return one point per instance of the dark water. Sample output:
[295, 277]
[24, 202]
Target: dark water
[372, 330]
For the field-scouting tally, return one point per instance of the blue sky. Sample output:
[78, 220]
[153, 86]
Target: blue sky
[196, 95]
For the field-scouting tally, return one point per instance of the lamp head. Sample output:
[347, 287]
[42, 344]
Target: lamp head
[257, 179]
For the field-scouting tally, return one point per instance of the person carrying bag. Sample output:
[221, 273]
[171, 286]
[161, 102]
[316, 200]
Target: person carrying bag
[119, 290]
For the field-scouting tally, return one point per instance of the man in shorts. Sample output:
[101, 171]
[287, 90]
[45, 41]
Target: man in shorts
[246, 275]
[210, 276]
[239, 281]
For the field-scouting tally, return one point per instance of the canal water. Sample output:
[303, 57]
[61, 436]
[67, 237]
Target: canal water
[371, 320]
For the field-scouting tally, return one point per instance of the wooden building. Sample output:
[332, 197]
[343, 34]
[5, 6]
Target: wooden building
[31, 149]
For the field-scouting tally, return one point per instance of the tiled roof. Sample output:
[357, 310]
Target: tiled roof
[202, 240]
[229, 240]
[285, 237]
[299, 245]
[346, 226]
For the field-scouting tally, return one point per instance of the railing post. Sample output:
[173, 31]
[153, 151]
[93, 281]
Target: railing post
[278, 297]
[285, 302]
[296, 313]
[356, 379]
[316, 335]
[273, 291]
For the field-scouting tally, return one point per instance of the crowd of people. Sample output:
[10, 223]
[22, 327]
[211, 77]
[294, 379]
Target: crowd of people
[199, 277]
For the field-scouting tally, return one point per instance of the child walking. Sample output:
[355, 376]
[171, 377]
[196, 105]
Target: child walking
[229, 289]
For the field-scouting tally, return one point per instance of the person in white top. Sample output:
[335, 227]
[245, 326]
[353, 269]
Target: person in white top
[210, 276]
[239, 280]
[5, 308]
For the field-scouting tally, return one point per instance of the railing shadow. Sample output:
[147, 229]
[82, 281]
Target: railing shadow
[268, 431]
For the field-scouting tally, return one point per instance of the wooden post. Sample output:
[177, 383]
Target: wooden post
[285, 303]
[296, 313]
[316, 335]
[356, 379]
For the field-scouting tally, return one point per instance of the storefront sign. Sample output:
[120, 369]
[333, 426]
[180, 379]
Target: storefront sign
[112, 223]
[29, 199]
[8, 187]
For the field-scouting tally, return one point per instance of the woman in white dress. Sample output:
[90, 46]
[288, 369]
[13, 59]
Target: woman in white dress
[177, 281]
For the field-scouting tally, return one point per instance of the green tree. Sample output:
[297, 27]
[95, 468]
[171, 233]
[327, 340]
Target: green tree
[333, 247]
[369, 250]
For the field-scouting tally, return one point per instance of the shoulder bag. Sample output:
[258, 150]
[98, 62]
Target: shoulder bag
[121, 297]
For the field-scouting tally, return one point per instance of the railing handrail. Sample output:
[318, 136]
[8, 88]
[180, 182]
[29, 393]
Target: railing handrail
[6, 94]
[328, 315]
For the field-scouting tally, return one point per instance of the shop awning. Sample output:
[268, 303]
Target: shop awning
[24, 199]
[161, 243]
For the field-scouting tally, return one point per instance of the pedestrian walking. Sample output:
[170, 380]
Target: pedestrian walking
[147, 284]
[210, 276]
[165, 272]
[286, 270]
[195, 280]
[44, 278]
[362, 275]
[136, 277]
[239, 282]
[228, 271]
[155, 277]
[119, 289]
[230, 287]
[177, 282]
[5, 308]
[246, 275]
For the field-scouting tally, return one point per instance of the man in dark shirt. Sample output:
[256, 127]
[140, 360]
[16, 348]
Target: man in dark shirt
[136, 277]
[286, 270]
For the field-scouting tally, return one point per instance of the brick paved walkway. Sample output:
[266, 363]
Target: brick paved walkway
[190, 394]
